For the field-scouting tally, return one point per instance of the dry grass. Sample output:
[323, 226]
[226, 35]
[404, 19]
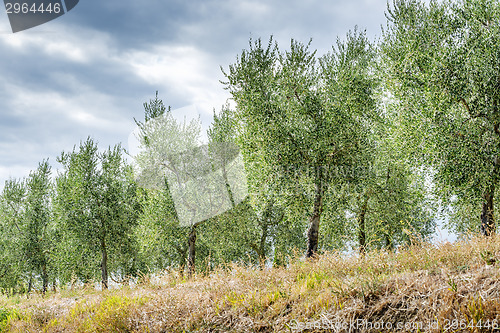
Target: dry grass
[438, 288]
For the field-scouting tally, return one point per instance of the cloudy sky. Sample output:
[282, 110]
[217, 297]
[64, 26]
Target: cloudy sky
[87, 73]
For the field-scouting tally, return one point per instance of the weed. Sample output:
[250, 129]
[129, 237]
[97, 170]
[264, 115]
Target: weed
[453, 285]
[6, 317]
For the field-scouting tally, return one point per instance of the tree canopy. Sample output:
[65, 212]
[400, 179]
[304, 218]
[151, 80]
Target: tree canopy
[442, 67]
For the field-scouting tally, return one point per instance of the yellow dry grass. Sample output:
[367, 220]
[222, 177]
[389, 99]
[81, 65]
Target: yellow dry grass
[424, 288]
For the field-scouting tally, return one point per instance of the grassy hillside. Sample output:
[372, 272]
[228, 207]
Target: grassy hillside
[441, 288]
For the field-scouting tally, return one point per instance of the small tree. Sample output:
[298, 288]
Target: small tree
[12, 266]
[96, 196]
[200, 178]
[26, 224]
[167, 148]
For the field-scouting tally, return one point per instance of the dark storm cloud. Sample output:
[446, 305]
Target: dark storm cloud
[220, 26]
[136, 24]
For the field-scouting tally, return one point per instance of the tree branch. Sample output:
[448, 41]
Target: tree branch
[464, 103]
[15, 216]
[495, 128]
[467, 107]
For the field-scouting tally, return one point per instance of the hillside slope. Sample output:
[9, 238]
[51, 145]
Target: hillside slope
[431, 288]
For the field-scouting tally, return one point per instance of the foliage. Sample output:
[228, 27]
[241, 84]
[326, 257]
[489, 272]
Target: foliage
[96, 197]
[162, 240]
[335, 288]
[442, 65]
[306, 117]
[27, 238]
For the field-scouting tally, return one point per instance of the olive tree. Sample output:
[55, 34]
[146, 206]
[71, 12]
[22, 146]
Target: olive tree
[96, 198]
[308, 116]
[442, 64]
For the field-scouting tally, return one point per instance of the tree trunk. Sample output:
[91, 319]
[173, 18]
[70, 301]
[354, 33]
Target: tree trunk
[228, 186]
[262, 251]
[182, 258]
[487, 218]
[30, 283]
[45, 278]
[260, 254]
[362, 227]
[104, 265]
[388, 239]
[313, 233]
[192, 251]
[388, 242]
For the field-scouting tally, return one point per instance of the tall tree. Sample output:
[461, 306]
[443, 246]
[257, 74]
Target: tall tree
[96, 195]
[443, 66]
[167, 150]
[305, 114]
[26, 224]
[203, 180]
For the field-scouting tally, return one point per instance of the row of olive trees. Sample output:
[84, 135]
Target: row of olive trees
[61, 230]
[316, 125]
[92, 221]
[426, 97]
[316, 145]
[333, 148]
